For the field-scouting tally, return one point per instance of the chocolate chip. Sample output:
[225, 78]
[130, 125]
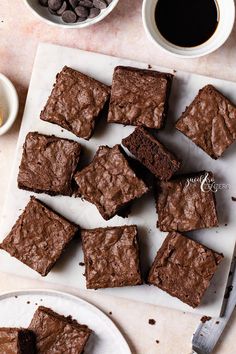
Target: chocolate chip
[100, 4]
[94, 12]
[43, 2]
[81, 19]
[55, 5]
[69, 16]
[62, 9]
[86, 3]
[74, 3]
[81, 11]
[52, 12]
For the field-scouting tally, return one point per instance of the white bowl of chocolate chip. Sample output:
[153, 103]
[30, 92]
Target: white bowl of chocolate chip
[71, 13]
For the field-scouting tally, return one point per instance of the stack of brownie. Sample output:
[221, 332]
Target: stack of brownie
[48, 333]
[184, 203]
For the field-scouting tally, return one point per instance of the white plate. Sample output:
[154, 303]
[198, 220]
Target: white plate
[17, 309]
[49, 61]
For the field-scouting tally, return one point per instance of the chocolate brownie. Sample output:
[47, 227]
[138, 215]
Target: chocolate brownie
[48, 164]
[139, 97]
[76, 102]
[39, 237]
[210, 122]
[151, 153]
[111, 257]
[187, 203]
[184, 268]
[58, 334]
[17, 341]
[109, 182]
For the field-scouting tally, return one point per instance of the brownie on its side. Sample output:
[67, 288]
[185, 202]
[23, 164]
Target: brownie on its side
[187, 203]
[39, 237]
[48, 164]
[210, 122]
[76, 102]
[152, 154]
[139, 97]
[17, 341]
[109, 182]
[111, 257]
[58, 334]
[184, 268]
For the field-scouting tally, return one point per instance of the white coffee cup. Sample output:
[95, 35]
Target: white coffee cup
[224, 28]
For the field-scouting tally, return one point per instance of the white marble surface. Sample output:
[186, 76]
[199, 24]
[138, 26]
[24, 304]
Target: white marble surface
[121, 34]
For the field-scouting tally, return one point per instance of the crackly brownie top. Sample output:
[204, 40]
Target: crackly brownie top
[109, 182]
[58, 334]
[38, 237]
[48, 164]
[184, 268]
[111, 256]
[187, 203]
[75, 102]
[151, 153]
[139, 97]
[16, 341]
[210, 121]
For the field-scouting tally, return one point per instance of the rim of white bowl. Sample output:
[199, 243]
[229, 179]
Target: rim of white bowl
[214, 43]
[104, 13]
[14, 102]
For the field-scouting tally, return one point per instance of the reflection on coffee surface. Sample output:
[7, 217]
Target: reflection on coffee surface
[187, 23]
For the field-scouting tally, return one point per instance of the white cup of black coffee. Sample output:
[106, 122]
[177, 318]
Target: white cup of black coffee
[188, 28]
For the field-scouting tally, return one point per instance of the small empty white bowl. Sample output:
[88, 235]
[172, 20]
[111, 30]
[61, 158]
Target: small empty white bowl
[9, 103]
[44, 14]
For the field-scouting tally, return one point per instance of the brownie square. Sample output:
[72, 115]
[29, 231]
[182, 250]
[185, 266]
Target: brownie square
[139, 97]
[48, 164]
[151, 153]
[58, 334]
[111, 257]
[210, 122]
[109, 182]
[39, 237]
[184, 268]
[17, 341]
[76, 102]
[187, 203]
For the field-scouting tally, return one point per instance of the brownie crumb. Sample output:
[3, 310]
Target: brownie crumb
[217, 322]
[204, 319]
[28, 302]
[41, 299]
[81, 264]
[151, 321]
[228, 291]
[233, 199]
[110, 313]
[226, 224]
[157, 341]
[16, 297]
[36, 304]
[149, 66]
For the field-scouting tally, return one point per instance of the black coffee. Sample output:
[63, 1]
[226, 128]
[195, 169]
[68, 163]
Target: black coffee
[186, 23]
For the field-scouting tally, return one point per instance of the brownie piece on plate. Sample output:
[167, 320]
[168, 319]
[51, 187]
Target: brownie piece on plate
[187, 203]
[210, 122]
[109, 182]
[39, 237]
[76, 102]
[111, 257]
[48, 164]
[184, 268]
[139, 97]
[151, 153]
[58, 334]
[17, 341]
